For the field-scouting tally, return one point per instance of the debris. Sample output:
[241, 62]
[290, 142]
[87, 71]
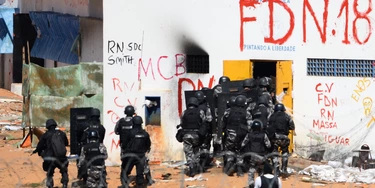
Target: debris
[312, 180]
[195, 186]
[318, 184]
[12, 128]
[335, 164]
[197, 178]
[177, 164]
[166, 176]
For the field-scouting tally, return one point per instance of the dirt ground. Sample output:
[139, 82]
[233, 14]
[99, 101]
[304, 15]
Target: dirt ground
[19, 169]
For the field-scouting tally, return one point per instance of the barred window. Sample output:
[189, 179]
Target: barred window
[340, 68]
[197, 64]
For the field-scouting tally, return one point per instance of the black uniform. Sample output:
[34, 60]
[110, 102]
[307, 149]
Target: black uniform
[236, 123]
[254, 148]
[93, 156]
[135, 148]
[50, 162]
[281, 123]
[193, 126]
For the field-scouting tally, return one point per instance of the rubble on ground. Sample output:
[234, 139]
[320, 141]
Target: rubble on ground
[10, 108]
[337, 172]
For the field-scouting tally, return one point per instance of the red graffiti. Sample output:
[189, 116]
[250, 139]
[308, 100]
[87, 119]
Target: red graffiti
[339, 140]
[179, 63]
[270, 39]
[114, 116]
[194, 86]
[115, 144]
[307, 8]
[322, 31]
[116, 85]
[327, 113]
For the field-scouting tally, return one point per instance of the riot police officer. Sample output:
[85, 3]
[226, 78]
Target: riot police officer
[236, 124]
[92, 124]
[231, 102]
[93, 155]
[264, 86]
[250, 90]
[192, 124]
[206, 142]
[136, 145]
[281, 123]
[123, 128]
[262, 111]
[218, 89]
[254, 145]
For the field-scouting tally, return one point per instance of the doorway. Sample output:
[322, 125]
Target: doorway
[279, 71]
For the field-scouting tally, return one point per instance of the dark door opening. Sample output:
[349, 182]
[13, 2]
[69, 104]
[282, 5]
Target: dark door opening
[264, 68]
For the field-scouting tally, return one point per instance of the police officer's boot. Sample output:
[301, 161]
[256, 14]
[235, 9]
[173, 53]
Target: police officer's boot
[284, 166]
[49, 182]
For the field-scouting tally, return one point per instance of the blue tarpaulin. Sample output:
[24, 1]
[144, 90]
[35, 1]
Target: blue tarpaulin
[56, 36]
[6, 29]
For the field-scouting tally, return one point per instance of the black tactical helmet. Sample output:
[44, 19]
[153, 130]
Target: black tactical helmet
[241, 101]
[365, 147]
[137, 120]
[231, 102]
[257, 125]
[51, 123]
[193, 101]
[93, 134]
[129, 110]
[200, 96]
[264, 99]
[263, 82]
[224, 79]
[205, 88]
[95, 112]
[279, 107]
[250, 82]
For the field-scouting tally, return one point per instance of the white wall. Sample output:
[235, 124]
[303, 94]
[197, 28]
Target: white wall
[215, 26]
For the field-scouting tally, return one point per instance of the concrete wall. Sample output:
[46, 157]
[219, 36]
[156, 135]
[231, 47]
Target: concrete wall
[83, 8]
[219, 28]
[7, 59]
[92, 40]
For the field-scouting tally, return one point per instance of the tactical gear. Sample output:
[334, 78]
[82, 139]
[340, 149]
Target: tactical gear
[129, 110]
[137, 120]
[279, 121]
[200, 96]
[95, 112]
[257, 125]
[241, 101]
[256, 143]
[92, 134]
[264, 99]
[125, 125]
[51, 123]
[93, 155]
[231, 102]
[191, 119]
[263, 82]
[237, 117]
[279, 107]
[250, 82]
[193, 102]
[137, 142]
[224, 79]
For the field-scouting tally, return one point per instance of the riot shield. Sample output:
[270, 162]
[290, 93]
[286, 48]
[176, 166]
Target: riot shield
[232, 86]
[78, 117]
[210, 100]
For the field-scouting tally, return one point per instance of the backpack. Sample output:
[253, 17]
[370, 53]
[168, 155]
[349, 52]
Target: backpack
[58, 144]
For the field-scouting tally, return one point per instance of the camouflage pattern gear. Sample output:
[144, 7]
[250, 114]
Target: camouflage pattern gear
[96, 177]
[282, 142]
[270, 103]
[217, 89]
[191, 150]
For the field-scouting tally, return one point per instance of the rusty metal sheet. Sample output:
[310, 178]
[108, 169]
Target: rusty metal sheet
[92, 78]
[51, 92]
[61, 81]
